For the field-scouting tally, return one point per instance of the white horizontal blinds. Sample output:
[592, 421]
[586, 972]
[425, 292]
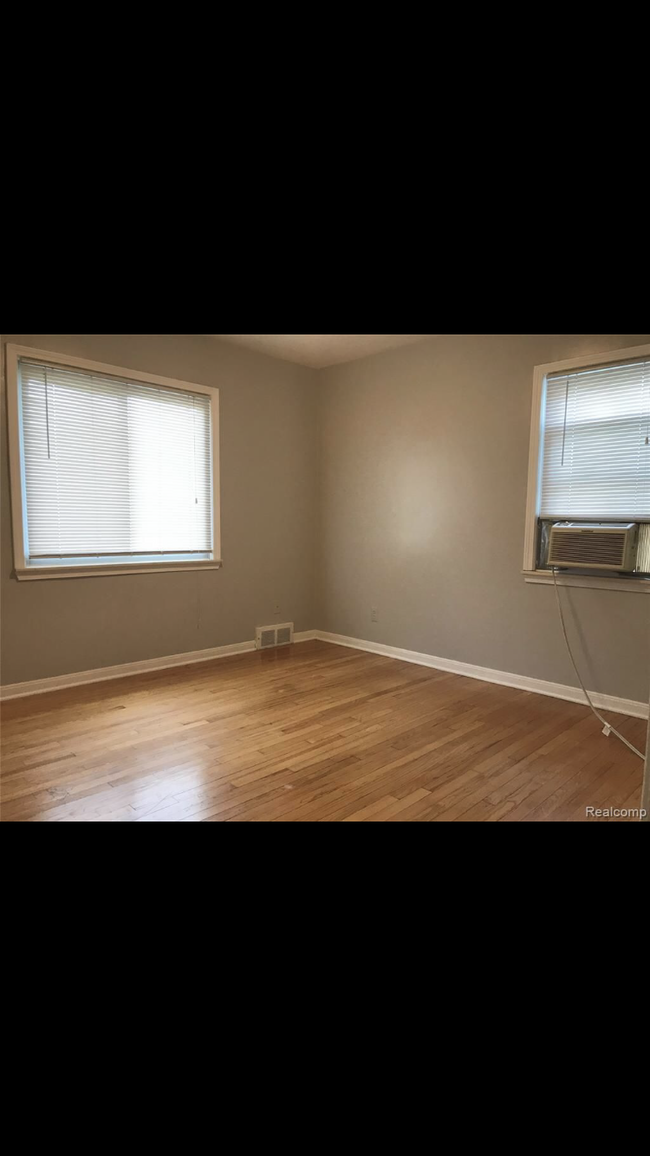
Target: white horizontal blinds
[597, 444]
[170, 476]
[113, 467]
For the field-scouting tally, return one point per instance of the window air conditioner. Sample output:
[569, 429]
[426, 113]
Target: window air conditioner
[593, 545]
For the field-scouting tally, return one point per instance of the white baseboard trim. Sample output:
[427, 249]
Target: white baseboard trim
[484, 674]
[126, 669]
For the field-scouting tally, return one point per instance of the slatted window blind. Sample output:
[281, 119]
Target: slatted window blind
[597, 444]
[113, 468]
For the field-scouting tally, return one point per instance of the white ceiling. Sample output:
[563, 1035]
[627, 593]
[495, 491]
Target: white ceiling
[320, 350]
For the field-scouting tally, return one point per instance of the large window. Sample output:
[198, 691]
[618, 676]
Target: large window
[112, 471]
[590, 447]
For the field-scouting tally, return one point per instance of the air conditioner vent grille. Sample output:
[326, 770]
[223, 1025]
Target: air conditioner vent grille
[589, 547]
[593, 547]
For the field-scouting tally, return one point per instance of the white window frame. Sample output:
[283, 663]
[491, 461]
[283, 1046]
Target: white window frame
[23, 570]
[535, 461]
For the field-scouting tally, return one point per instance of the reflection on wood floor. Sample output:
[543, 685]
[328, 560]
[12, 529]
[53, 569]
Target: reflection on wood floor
[312, 733]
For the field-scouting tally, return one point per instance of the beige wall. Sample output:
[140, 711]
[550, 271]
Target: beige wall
[424, 472]
[268, 499]
[422, 456]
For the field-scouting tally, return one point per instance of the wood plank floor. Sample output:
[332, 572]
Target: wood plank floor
[312, 733]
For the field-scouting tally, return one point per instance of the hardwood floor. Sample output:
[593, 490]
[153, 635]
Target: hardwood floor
[312, 733]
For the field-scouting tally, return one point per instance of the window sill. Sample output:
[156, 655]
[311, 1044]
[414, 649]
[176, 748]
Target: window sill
[39, 573]
[627, 585]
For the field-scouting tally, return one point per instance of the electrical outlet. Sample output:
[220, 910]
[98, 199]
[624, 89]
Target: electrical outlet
[276, 610]
[374, 614]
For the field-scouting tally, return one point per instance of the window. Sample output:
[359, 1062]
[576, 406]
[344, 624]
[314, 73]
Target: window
[596, 460]
[112, 471]
[590, 448]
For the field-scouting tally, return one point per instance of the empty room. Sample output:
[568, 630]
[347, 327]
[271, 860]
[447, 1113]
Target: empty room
[325, 578]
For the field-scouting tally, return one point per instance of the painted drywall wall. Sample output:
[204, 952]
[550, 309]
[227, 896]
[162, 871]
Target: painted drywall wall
[268, 499]
[424, 460]
[397, 482]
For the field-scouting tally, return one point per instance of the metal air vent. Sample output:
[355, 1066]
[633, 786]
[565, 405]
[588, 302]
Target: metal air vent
[268, 637]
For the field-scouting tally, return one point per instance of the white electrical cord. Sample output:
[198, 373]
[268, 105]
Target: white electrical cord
[607, 727]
